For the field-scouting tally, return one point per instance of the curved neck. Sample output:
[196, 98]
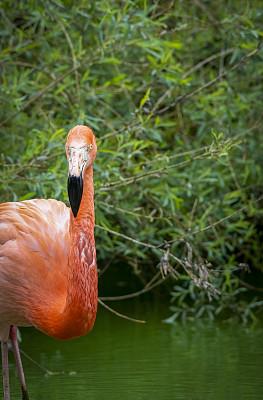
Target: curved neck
[82, 294]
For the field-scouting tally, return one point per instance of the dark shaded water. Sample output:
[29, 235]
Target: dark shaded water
[123, 360]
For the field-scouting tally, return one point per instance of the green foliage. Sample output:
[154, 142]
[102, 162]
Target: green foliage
[172, 91]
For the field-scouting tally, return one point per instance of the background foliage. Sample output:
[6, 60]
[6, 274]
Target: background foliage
[173, 92]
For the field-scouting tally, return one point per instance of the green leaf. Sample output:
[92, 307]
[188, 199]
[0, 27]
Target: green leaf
[27, 196]
[145, 98]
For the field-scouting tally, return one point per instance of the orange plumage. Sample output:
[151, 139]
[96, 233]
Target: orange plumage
[48, 271]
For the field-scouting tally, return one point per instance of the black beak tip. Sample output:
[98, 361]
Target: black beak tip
[75, 191]
[74, 211]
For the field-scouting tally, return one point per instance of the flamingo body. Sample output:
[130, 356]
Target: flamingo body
[48, 270]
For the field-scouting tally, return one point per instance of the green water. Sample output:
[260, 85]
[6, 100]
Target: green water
[123, 360]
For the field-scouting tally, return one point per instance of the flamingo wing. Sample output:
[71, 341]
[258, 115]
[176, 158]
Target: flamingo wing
[34, 246]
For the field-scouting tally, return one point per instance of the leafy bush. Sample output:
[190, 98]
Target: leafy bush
[173, 92]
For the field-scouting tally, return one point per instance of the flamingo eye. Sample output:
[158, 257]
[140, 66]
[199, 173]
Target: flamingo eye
[90, 146]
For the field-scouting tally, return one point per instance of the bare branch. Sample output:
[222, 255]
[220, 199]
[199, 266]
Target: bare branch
[250, 287]
[118, 314]
[47, 371]
[150, 217]
[165, 157]
[206, 85]
[135, 294]
[135, 178]
[206, 61]
[213, 224]
[121, 130]
[125, 237]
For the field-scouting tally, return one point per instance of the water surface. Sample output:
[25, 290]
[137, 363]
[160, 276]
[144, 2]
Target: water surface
[123, 360]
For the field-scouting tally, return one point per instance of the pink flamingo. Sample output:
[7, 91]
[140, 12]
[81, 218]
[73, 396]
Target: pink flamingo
[48, 269]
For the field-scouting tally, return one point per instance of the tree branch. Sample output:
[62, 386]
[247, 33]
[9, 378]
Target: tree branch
[206, 61]
[135, 178]
[135, 294]
[125, 237]
[206, 85]
[118, 314]
[213, 224]
[250, 287]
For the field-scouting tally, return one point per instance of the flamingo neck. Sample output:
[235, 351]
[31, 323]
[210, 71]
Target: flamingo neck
[82, 297]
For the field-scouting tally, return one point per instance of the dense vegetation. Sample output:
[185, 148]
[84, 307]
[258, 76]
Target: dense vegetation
[173, 92]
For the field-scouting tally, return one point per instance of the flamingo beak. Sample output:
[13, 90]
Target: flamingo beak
[75, 191]
[77, 159]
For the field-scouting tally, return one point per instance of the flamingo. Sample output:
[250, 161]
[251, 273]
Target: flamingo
[48, 268]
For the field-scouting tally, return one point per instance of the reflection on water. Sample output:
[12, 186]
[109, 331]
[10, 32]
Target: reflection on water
[123, 360]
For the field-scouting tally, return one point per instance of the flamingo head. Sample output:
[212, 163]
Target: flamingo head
[81, 151]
